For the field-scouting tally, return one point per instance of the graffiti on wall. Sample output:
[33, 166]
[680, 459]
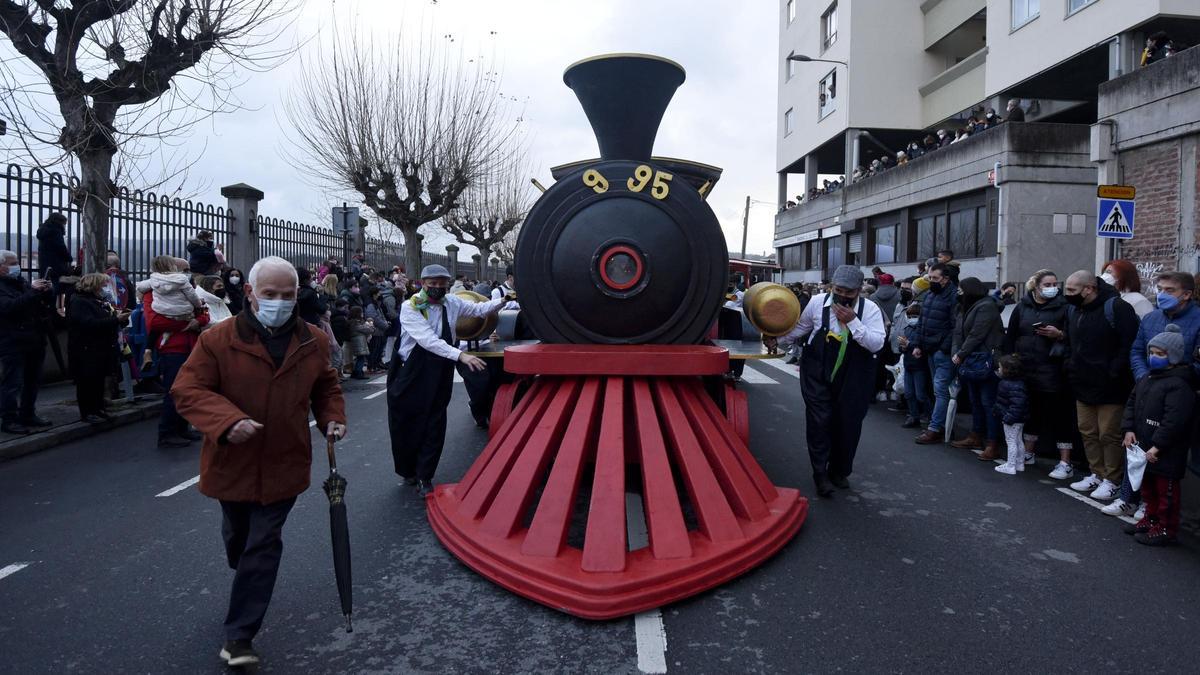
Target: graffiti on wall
[1148, 270]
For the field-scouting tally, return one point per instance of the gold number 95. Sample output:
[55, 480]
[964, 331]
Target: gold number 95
[641, 176]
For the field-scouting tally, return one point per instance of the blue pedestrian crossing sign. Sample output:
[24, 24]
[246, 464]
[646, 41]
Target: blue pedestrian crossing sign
[1114, 218]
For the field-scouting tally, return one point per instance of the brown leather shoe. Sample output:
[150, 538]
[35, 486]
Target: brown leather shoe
[990, 452]
[928, 437]
[971, 442]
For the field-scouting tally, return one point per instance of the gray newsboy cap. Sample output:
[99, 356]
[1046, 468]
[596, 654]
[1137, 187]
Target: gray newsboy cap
[435, 271]
[847, 276]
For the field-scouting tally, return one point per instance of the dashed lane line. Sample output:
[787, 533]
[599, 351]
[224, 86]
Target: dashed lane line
[648, 629]
[179, 488]
[377, 394]
[17, 567]
[753, 376]
[781, 364]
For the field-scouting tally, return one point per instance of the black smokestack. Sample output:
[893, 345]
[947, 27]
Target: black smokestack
[624, 97]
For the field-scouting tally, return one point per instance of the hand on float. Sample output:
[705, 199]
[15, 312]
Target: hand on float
[475, 363]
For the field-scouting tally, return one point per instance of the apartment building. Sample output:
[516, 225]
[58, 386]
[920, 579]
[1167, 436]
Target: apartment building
[874, 75]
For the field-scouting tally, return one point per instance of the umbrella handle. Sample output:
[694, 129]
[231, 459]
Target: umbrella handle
[329, 452]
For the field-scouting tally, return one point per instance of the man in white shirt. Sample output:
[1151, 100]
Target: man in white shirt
[421, 376]
[509, 287]
[841, 333]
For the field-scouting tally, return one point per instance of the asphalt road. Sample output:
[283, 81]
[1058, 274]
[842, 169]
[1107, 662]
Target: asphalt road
[932, 562]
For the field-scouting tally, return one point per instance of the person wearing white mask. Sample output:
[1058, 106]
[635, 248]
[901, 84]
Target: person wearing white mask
[249, 387]
[1123, 276]
[1035, 333]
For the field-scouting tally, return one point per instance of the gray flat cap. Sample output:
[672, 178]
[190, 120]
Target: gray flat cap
[847, 276]
[435, 271]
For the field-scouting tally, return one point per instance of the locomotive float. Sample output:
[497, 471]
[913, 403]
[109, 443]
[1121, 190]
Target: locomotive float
[619, 421]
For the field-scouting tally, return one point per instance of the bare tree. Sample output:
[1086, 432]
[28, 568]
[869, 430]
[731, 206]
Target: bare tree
[491, 210]
[506, 249]
[108, 65]
[408, 128]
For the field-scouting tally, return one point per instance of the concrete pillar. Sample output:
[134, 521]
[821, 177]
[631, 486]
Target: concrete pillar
[480, 275]
[810, 173]
[495, 267]
[1108, 165]
[781, 194]
[452, 254]
[242, 210]
[852, 150]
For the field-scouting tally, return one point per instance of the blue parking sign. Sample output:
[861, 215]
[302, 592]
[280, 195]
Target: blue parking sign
[1114, 218]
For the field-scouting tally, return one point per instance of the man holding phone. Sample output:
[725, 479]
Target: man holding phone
[841, 333]
[935, 336]
[24, 317]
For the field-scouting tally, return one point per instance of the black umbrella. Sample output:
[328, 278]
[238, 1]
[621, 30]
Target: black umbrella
[339, 530]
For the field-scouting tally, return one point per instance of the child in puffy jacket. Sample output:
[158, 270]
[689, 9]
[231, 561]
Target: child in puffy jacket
[174, 296]
[1012, 407]
[1158, 417]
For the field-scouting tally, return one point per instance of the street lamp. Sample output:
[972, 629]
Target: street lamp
[804, 58]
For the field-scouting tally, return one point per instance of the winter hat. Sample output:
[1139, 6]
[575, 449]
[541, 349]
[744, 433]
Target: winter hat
[848, 276]
[886, 279]
[920, 284]
[1171, 342]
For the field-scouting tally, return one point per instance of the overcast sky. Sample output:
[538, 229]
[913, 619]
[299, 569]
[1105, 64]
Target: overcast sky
[723, 114]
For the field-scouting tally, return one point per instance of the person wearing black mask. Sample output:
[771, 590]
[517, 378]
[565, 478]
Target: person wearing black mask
[935, 337]
[309, 304]
[421, 375]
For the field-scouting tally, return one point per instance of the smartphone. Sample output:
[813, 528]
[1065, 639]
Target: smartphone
[1038, 324]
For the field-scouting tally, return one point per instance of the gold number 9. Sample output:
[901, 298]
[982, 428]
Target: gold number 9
[642, 174]
[594, 180]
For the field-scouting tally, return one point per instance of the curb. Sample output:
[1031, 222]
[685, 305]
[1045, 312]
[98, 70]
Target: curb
[74, 431]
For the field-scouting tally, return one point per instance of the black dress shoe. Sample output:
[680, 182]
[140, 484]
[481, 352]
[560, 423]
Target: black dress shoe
[15, 428]
[36, 421]
[172, 442]
[93, 419]
[840, 482]
[424, 487]
[824, 487]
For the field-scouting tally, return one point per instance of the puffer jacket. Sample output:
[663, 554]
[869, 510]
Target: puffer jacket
[1098, 350]
[936, 332]
[979, 329]
[53, 254]
[1159, 415]
[1012, 401]
[910, 361]
[1188, 320]
[202, 256]
[1041, 357]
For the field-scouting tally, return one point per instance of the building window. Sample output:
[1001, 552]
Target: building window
[814, 255]
[1076, 5]
[791, 11]
[792, 257]
[835, 253]
[788, 122]
[986, 240]
[885, 244]
[827, 95]
[1024, 11]
[963, 237]
[791, 66]
[829, 27]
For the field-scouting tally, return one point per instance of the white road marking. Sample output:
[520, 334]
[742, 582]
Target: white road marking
[1092, 502]
[382, 379]
[651, 642]
[377, 394]
[312, 423]
[752, 376]
[179, 488]
[17, 567]
[781, 364]
[648, 626]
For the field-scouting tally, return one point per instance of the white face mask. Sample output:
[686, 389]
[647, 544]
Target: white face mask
[1109, 279]
[1050, 293]
[274, 313]
[14, 270]
[913, 320]
[235, 280]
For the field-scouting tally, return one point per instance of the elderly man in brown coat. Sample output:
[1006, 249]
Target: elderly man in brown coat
[248, 387]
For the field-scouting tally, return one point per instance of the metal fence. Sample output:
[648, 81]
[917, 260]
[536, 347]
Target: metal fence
[142, 225]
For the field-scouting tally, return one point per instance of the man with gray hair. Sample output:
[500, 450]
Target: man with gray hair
[841, 334]
[24, 313]
[421, 375]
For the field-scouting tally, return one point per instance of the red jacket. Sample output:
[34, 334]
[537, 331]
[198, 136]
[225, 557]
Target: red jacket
[180, 340]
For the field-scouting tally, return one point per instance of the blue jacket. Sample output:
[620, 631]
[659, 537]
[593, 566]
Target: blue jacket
[1153, 323]
[1012, 402]
[911, 362]
[936, 330]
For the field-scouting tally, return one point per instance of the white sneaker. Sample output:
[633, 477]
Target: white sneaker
[1140, 514]
[1087, 484]
[1118, 508]
[1030, 458]
[1106, 491]
[1061, 471]
[1006, 469]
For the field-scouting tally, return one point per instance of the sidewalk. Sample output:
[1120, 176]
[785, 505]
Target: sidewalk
[56, 402]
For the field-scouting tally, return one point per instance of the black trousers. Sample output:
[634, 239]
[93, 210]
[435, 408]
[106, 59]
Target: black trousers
[834, 411]
[89, 394]
[419, 392]
[253, 546]
[729, 327]
[20, 383]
